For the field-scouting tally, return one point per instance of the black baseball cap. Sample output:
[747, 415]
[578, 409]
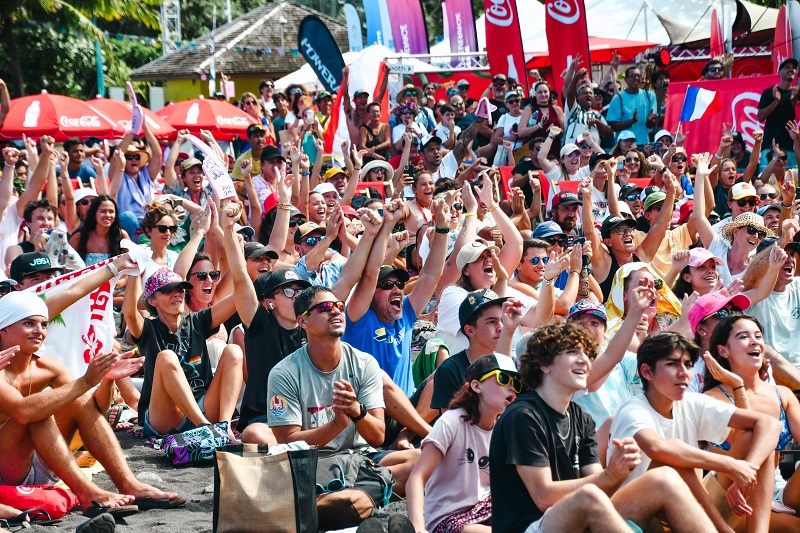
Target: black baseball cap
[31, 263]
[388, 270]
[269, 282]
[789, 61]
[256, 249]
[650, 189]
[612, 222]
[597, 157]
[489, 363]
[475, 301]
[269, 153]
[629, 189]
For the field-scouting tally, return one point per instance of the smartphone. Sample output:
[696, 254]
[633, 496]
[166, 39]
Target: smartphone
[620, 166]
[409, 170]
[797, 192]
[177, 202]
[284, 136]
[309, 116]
[579, 240]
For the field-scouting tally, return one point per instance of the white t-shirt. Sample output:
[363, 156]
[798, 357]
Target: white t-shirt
[779, 314]
[720, 247]
[448, 327]
[9, 228]
[400, 129]
[576, 120]
[152, 266]
[600, 202]
[447, 169]
[694, 418]
[461, 479]
[554, 176]
[506, 122]
[443, 132]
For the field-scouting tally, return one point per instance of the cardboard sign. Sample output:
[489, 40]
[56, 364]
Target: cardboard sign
[215, 170]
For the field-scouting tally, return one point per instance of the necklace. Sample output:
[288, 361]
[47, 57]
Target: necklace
[569, 429]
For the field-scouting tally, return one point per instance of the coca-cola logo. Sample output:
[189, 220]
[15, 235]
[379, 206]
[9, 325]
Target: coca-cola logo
[500, 13]
[25, 490]
[744, 110]
[84, 121]
[232, 121]
[564, 11]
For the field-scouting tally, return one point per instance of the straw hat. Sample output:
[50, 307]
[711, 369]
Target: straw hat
[138, 147]
[745, 219]
[408, 87]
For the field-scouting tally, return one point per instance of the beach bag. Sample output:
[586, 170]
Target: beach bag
[194, 446]
[349, 487]
[57, 502]
[255, 491]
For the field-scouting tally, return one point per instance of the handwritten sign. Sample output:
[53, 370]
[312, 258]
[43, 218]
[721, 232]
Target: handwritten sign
[215, 170]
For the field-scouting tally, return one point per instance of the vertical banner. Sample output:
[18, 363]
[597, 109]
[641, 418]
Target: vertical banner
[793, 11]
[739, 98]
[354, 37]
[372, 12]
[459, 24]
[320, 50]
[409, 30]
[565, 24]
[782, 43]
[717, 43]
[504, 41]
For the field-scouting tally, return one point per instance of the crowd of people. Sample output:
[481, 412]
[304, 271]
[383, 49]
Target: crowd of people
[612, 355]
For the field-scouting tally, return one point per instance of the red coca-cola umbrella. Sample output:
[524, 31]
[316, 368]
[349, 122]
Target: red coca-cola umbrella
[120, 112]
[223, 120]
[61, 117]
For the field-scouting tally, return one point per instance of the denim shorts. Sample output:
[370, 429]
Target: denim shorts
[185, 424]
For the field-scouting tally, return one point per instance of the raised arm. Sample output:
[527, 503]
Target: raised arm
[39, 176]
[601, 259]
[353, 269]
[198, 229]
[115, 171]
[466, 138]
[134, 319]
[5, 101]
[154, 165]
[545, 164]
[649, 246]
[468, 233]
[542, 313]
[60, 301]
[704, 228]
[10, 158]
[755, 157]
[432, 269]
[246, 299]
[169, 165]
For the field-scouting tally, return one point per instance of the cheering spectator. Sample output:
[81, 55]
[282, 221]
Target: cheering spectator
[776, 108]
[375, 136]
[634, 108]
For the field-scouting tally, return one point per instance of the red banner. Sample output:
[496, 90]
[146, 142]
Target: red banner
[504, 41]
[565, 24]
[717, 41]
[740, 98]
[782, 43]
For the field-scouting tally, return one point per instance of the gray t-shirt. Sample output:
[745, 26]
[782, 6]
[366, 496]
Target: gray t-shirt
[299, 394]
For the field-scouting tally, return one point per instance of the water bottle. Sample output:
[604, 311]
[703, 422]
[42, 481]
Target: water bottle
[32, 115]
[193, 113]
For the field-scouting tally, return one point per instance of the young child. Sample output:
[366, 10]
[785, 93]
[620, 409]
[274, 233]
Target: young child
[451, 475]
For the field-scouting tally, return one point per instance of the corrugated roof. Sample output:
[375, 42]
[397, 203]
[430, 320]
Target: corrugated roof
[241, 45]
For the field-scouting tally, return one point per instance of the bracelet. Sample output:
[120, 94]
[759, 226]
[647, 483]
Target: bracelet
[470, 214]
[287, 207]
[306, 173]
[492, 208]
[361, 413]
[444, 230]
[574, 272]
[546, 281]
[737, 388]
[663, 169]
[114, 270]
[551, 136]
[786, 206]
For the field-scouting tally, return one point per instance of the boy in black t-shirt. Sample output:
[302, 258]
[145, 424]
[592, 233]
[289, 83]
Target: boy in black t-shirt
[546, 475]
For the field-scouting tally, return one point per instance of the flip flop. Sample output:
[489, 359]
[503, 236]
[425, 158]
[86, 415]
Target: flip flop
[118, 512]
[121, 417]
[34, 516]
[102, 523]
[148, 503]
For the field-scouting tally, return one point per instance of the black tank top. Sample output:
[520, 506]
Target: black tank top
[605, 286]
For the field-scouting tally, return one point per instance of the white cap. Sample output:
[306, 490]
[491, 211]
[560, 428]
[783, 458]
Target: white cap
[662, 133]
[84, 192]
[322, 188]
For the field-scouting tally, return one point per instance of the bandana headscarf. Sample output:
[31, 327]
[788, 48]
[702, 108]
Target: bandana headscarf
[16, 306]
[668, 303]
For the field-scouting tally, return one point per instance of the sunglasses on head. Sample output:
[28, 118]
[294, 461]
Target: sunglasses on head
[289, 292]
[752, 230]
[561, 241]
[771, 195]
[635, 160]
[725, 312]
[537, 260]
[202, 275]
[678, 158]
[314, 239]
[504, 379]
[132, 157]
[387, 284]
[746, 201]
[84, 202]
[324, 307]
[163, 228]
[6, 288]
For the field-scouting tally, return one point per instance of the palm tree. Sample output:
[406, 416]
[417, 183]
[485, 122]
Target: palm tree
[80, 13]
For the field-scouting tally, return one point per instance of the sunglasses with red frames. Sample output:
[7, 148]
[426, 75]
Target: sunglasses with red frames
[202, 275]
[324, 307]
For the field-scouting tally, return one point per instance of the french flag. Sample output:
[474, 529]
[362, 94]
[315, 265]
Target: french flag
[700, 103]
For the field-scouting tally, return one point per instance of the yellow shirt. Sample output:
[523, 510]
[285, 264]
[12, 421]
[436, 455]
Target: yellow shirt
[674, 240]
[255, 168]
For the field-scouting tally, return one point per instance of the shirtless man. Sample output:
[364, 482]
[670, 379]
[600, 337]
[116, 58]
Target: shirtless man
[37, 422]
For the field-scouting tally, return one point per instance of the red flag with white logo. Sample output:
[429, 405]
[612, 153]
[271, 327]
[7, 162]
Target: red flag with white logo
[565, 25]
[504, 41]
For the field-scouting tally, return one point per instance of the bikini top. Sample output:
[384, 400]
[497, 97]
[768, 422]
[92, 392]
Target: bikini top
[785, 433]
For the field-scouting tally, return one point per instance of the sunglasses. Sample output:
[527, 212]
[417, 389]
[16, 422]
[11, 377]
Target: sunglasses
[84, 202]
[314, 239]
[293, 223]
[202, 275]
[504, 379]
[512, 101]
[770, 195]
[537, 260]
[573, 155]
[132, 157]
[746, 201]
[783, 158]
[458, 104]
[724, 313]
[249, 102]
[324, 307]
[658, 283]
[412, 92]
[379, 170]
[334, 485]
[632, 197]
[386, 285]
[457, 206]
[623, 231]
[583, 146]
[636, 159]
[752, 230]
[289, 292]
[715, 69]
[678, 158]
[163, 228]
[6, 288]
[561, 241]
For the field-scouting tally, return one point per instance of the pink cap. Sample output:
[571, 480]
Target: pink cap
[698, 256]
[712, 302]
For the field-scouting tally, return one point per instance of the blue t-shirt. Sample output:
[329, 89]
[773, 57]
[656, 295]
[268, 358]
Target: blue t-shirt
[624, 104]
[84, 173]
[328, 277]
[389, 344]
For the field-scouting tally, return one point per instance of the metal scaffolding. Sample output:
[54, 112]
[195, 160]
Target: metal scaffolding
[170, 26]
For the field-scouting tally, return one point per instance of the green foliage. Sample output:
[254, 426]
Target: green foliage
[197, 15]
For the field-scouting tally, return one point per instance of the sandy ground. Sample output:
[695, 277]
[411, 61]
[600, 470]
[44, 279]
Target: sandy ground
[195, 484]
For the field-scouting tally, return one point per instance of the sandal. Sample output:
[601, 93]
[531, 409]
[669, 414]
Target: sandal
[121, 417]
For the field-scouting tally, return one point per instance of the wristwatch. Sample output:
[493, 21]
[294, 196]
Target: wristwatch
[361, 413]
[443, 230]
